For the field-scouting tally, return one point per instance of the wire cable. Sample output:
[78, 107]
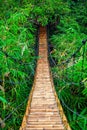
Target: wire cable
[9, 115]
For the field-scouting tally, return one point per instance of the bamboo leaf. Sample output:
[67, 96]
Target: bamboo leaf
[3, 100]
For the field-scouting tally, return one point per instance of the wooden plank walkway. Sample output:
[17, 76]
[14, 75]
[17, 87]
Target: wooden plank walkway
[42, 111]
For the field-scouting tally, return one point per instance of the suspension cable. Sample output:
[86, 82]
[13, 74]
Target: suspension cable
[73, 69]
[9, 115]
[73, 55]
[76, 113]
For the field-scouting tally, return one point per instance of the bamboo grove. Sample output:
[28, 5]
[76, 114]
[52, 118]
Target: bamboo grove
[67, 35]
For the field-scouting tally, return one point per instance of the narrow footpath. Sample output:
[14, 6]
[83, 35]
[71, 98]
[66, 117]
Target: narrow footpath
[42, 111]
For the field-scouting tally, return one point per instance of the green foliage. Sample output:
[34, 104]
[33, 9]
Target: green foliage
[48, 11]
[17, 61]
[68, 20]
[71, 80]
[81, 14]
[3, 99]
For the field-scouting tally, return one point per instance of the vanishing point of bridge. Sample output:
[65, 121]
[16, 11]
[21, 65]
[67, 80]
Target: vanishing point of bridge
[44, 111]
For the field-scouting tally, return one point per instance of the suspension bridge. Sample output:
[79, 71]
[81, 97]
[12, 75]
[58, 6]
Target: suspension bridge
[44, 111]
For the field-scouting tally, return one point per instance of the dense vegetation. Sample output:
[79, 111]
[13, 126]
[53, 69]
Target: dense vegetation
[17, 62]
[70, 77]
[19, 19]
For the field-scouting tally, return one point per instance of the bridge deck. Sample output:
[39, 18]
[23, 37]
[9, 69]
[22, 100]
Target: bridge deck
[42, 111]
